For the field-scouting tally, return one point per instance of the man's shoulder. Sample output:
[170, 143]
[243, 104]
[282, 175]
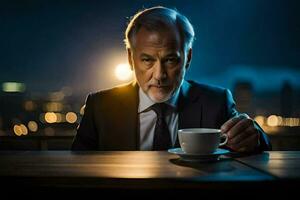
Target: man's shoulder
[114, 92]
[206, 89]
[214, 97]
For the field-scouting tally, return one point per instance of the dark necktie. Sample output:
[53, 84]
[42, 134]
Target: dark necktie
[162, 137]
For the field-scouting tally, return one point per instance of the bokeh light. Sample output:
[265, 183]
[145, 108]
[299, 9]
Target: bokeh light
[260, 120]
[32, 126]
[50, 117]
[53, 107]
[272, 120]
[123, 72]
[24, 129]
[17, 130]
[20, 129]
[13, 87]
[71, 117]
[59, 117]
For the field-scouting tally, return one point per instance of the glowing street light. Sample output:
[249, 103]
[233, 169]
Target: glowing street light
[123, 72]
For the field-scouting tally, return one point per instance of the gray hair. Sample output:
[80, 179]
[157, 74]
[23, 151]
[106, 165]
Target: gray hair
[156, 19]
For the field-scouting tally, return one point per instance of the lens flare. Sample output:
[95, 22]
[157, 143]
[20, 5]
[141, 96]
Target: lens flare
[123, 72]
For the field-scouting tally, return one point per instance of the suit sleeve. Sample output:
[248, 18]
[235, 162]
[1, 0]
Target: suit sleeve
[264, 142]
[86, 137]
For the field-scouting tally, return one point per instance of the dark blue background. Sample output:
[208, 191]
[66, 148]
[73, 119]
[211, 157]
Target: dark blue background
[51, 44]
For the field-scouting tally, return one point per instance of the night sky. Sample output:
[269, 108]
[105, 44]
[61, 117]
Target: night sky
[51, 44]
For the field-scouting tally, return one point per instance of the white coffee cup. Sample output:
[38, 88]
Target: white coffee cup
[201, 140]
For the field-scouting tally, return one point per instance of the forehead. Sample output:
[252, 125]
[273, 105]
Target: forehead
[167, 40]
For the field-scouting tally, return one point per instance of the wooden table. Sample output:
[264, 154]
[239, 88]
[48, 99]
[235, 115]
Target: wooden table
[285, 165]
[146, 171]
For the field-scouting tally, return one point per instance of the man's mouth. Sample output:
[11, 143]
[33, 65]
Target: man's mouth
[159, 86]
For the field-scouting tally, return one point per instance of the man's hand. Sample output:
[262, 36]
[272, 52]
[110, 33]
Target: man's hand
[243, 136]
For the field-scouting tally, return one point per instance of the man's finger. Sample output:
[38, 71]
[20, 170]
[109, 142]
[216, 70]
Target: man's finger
[241, 136]
[246, 145]
[249, 143]
[231, 122]
[239, 127]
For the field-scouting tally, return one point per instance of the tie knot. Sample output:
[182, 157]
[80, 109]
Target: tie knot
[159, 109]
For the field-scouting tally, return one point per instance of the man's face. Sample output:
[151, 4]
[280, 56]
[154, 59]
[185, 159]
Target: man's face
[159, 62]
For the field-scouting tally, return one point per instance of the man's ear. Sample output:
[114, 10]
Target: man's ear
[129, 57]
[189, 58]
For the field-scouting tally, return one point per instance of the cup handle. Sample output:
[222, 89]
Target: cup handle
[226, 139]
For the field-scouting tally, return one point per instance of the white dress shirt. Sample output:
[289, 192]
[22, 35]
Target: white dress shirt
[147, 119]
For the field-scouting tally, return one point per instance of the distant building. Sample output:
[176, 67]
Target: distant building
[243, 95]
[286, 100]
[11, 108]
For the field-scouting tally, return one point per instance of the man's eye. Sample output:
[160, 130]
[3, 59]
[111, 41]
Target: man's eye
[172, 60]
[146, 59]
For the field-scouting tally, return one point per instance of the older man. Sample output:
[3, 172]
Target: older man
[146, 114]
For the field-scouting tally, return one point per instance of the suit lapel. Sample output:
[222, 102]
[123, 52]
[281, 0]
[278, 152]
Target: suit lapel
[128, 118]
[189, 115]
[118, 122]
[189, 108]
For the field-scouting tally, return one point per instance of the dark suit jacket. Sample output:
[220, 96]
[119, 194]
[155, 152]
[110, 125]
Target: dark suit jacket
[110, 121]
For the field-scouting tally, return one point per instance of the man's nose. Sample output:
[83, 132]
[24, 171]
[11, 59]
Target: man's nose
[159, 72]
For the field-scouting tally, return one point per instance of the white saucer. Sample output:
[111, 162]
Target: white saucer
[198, 157]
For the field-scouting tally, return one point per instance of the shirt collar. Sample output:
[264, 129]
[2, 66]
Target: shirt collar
[145, 102]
